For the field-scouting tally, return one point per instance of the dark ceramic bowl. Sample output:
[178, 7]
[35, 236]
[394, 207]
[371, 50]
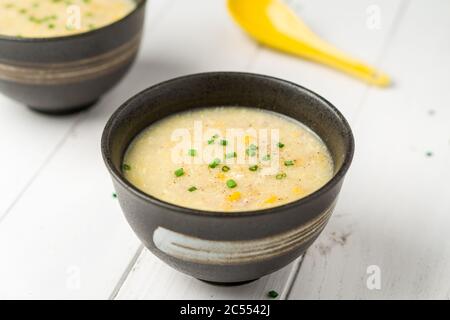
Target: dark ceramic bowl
[225, 247]
[70, 73]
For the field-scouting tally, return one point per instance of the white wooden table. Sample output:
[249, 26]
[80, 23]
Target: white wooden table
[62, 234]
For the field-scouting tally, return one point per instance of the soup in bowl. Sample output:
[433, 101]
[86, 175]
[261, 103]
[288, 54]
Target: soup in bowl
[56, 18]
[245, 159]
[61, 56]
[227, 176]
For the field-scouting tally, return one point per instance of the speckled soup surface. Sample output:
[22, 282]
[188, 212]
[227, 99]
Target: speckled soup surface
[244, 159]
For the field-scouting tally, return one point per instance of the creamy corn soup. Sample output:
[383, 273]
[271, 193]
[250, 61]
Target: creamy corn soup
[269, 161]
[53, 18]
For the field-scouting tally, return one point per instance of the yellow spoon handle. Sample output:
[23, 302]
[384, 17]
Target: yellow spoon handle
[335, 59]
[274, 24]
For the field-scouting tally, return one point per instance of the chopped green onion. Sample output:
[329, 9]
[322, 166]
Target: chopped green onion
[192, 189]
[288, 163]
[126, 167]
[223, 142]
[114, 195]
[281, 176]
[280, 145]
[266, 157]
[272, 294]
[251, 151]
[192, 152]
[253, 168]
[231, 184]
[225, 168]
[213, 138]
[214, 163]
[231, 155]
[179, 172]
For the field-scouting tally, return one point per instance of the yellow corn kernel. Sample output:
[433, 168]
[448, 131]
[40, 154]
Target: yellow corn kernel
[297, 191]
[271, 199]
[220, 176]
[234, 196]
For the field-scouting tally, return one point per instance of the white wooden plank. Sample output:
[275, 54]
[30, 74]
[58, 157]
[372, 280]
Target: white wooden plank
[150, 278]
[27, 139]
[153, 279]
[198, 36]
[394, 210]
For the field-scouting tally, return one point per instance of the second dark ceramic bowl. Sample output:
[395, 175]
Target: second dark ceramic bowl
[223, 247]
[67, 74]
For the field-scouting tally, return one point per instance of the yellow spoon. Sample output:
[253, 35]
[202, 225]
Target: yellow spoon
[274, 24]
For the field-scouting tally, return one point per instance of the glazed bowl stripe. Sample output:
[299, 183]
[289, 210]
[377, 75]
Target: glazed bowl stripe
[70, 72]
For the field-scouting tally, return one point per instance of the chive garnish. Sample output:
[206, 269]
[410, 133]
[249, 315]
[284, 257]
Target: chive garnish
[231, 155]
[231, 184]
[281, 176]
[179, 172]
[126, 167]
[251, 151]
[253, 168]
[288, 163]
[272, 294]
[280, 145]
[266, 157]
[214, 163]
[225, 168]
[192, 189]
[114, 195]
[192, 152]
[223, 142]
[213, 138]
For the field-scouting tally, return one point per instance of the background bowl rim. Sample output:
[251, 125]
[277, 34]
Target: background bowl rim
[140, 4]
[118, 176]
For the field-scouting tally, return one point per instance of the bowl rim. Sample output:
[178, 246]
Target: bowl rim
[139, 4]
[118, 176]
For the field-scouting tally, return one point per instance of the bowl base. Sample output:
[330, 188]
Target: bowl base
[228, 284]
[65, 111]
